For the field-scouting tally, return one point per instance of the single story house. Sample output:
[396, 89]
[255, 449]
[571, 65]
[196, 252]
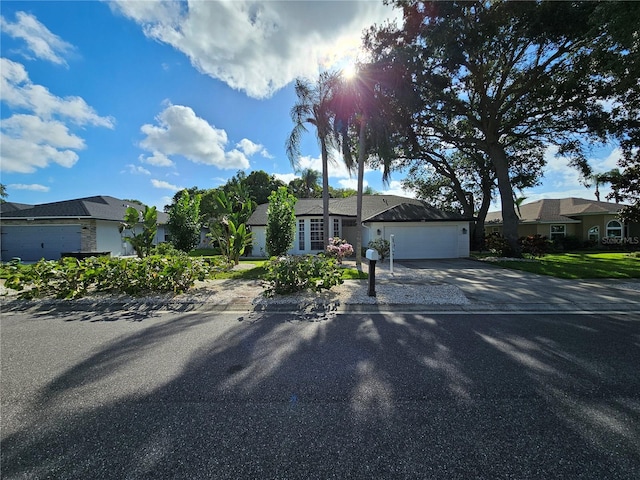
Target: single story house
[420, 231]
[588, 220]
[92, 224]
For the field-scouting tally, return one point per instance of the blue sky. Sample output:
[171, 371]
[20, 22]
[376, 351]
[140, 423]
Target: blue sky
[139, 99]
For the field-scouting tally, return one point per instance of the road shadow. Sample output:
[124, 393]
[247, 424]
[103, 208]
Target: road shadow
[319, 395]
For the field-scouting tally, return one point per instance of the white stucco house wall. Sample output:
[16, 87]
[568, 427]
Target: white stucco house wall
[420, 231]
[48, 230]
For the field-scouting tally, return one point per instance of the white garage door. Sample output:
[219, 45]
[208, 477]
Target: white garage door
[31, 243]
[424, 242]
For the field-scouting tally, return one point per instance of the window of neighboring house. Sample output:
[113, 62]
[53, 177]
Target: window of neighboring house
[594, 234]
[558, 231]
[301, 235]
[614, 229]
[336, 227]
[317, 240]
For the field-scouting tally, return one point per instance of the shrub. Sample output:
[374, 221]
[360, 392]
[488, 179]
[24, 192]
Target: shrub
[570, 242]
[71, 278]
[166, 249]
[291, 274]
[382, 246]
[498, 245]
[281, 222]
[338, 249]
[535, 245]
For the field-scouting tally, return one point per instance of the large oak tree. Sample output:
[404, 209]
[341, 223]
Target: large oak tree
[488, 77]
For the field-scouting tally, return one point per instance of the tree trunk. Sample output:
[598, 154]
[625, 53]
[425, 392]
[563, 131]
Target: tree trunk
[325, 192]
[361, 158]
[509, 218]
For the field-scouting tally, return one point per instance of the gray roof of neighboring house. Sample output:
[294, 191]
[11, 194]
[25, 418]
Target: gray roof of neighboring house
[559, 210]
[375, 208]
[99, 207]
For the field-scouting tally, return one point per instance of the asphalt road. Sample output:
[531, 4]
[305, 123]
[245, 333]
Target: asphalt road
[153, 394]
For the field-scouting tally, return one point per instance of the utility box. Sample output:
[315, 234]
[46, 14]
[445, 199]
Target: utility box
[372, 254]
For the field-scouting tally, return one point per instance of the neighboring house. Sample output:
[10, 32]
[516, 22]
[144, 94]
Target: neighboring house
[32, 232]
[588, 220]
[420, 231]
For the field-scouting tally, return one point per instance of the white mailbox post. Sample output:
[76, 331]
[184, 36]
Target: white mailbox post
[373, 256]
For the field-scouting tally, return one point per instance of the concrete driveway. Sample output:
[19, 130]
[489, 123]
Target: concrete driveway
[490, 287]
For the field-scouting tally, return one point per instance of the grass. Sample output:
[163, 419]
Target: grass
[259, 270]
[581, 265]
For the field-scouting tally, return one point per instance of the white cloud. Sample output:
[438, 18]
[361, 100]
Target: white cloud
[40, 41]
[285, 177]
[257, 46]
[165, 185]
[249, 148]
[136, 170]
[34, 187]
[337, 168]
[181, 132]
[352, 183]
[19, 93]
[157, 160]
[29, 142]
[395, 188]
[41, 136]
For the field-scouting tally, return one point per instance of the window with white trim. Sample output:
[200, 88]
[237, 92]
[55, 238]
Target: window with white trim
[301, 235]
[614, 229]
[336, 227]
[317, 234]
[558, 231]
[594, 234]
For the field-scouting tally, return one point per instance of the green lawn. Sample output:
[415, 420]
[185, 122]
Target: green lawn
[258, 270]
[581, 265]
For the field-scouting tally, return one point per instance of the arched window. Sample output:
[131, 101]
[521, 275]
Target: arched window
[614, 229]
[594, 234]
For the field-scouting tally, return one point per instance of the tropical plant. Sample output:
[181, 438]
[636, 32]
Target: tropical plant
[142, 241]
[184, 222]
[281, 222]
[235, 241]
[228, 227]
[359, 107]
[314, 108]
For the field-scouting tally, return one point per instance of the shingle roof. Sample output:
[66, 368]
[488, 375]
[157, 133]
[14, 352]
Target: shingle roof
[8, 207]
[559, 210]
[379, 208]
[98, 207]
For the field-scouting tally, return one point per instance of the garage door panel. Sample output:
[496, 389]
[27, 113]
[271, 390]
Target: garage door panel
[31, 243]
[418, 242]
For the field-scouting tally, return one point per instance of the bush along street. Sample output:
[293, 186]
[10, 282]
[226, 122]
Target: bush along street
[70, 278]
[291, 274]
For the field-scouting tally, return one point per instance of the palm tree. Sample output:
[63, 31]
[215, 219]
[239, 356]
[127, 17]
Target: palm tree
[313, 107]
[359, 106]
[310, 178]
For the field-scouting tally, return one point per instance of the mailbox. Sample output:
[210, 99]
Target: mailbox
[372, 254]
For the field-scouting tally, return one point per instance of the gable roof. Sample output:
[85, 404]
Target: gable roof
[375, 208]
[561, 210]
[98, 207]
